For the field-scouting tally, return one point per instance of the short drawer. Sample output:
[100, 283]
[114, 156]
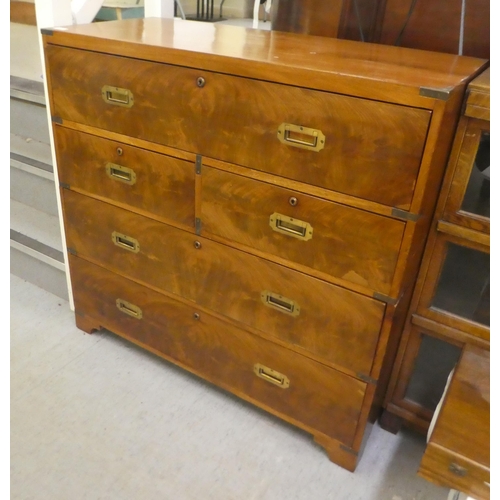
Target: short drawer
[273, 377]
[135, 177]
[455, 471]
[368, 149]
[335, 324]
[345, 242]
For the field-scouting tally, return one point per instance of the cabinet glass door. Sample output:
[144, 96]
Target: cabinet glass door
[463, 288]
[457, 289]
[428, 360]
[468, 202]
[434, 362]
[476, 199]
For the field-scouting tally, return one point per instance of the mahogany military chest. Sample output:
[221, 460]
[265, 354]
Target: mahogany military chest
[252, 205]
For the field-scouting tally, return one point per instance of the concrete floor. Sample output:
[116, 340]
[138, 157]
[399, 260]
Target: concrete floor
[93, 417]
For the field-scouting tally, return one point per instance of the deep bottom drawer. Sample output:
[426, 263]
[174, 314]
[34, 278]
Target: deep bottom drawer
[298, 389]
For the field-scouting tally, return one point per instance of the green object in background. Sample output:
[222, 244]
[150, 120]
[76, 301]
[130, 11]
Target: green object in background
[112, 14]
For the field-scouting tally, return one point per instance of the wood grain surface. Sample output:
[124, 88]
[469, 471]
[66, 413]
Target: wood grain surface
[478, 98]
[163, 89]
[351, 244]
[222, 354]
[392, 74]
[461, 435]
[372, 150]
[334, 324]
[164, 186]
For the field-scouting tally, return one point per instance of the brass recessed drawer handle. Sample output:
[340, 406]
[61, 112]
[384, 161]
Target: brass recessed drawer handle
[280, 303]
[117, 96]
[301, 137]
[458, 470]
[126, 242]
[271, 375]
[128, 308]
[290, 226]
[122, 174]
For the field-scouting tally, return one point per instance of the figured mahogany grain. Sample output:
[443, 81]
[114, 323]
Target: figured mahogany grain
[223, 354]
[335, 324]
[164, 185]
[351, 244]
[372, 150]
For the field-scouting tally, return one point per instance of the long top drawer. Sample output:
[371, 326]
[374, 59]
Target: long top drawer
[365, 148]
[342, 115]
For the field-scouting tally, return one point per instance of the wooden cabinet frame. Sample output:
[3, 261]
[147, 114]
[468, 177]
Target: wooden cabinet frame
[468, 136]
[436, 262]
[451, 225]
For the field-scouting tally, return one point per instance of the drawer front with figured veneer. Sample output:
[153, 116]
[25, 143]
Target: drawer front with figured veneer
[330, 322]
[159, 184]
[297, 388]
[368, 149]
[130, 244]
[344, 242]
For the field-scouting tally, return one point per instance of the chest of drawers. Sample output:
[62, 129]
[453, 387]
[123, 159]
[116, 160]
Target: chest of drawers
[252, 206]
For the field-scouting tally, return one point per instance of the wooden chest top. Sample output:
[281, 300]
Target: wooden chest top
[392, 74]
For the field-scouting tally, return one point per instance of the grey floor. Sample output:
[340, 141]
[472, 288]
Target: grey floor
[93, 417]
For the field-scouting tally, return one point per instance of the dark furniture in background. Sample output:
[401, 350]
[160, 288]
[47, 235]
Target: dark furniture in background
[437, 25]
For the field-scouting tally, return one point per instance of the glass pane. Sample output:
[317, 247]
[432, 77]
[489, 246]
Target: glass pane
[434, 362]
[477, 195]
[464, 285]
